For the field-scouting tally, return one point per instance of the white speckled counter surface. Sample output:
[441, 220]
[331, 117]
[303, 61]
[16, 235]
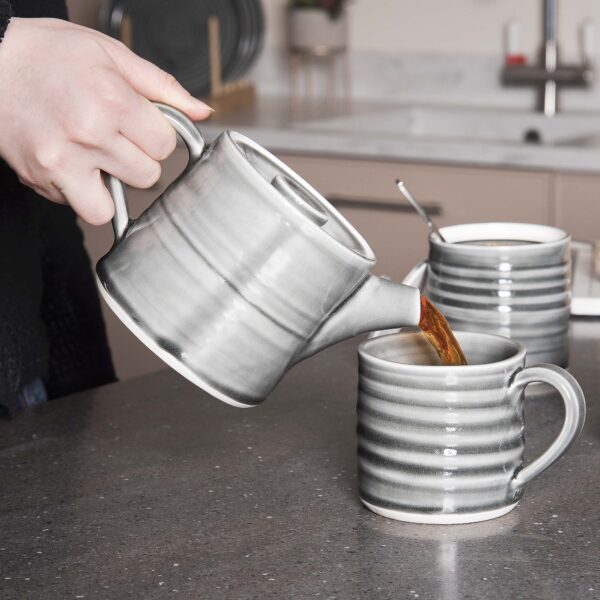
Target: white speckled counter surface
[423, 133]
[149, 488]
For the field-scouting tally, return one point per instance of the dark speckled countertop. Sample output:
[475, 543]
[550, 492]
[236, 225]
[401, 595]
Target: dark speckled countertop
[151, 489]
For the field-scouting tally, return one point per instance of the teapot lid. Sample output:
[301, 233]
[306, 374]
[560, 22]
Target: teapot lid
[300, 199]
[305, 199]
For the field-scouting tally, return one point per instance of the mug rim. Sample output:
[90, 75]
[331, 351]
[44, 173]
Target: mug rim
[460, 235]
[517, 356]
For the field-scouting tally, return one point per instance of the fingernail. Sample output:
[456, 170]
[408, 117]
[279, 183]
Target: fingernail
[205, 106]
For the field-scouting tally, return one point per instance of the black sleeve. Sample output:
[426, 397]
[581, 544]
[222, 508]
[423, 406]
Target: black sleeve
[33, 9]
[5, 15]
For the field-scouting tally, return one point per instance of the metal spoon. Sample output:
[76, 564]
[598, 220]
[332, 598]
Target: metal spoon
[420, 210]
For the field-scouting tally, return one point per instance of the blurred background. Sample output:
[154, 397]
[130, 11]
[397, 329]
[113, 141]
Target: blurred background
[488, 109]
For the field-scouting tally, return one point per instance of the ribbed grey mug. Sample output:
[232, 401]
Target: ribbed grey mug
[511, 279]
[445, 444]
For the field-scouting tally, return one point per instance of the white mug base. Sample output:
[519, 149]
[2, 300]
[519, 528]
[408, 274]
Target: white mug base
[439, 519]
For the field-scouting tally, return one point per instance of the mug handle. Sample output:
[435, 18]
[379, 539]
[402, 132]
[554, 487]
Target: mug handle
[574, 401]
[195, 145]
[417, 275]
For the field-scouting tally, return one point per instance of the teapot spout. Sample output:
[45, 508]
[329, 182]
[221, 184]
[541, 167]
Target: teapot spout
[376, 304]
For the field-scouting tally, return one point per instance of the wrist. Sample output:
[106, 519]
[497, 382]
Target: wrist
[5, 16]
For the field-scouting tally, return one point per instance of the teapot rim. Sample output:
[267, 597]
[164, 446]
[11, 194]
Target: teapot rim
[362, 251]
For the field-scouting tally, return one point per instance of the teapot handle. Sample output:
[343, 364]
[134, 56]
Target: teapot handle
[195, 145]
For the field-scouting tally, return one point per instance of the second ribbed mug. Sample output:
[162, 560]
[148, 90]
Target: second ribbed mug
[445, 444]
[511, 279]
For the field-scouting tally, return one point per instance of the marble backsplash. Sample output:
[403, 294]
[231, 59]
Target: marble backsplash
[427, 78]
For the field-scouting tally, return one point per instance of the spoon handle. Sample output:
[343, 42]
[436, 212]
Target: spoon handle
[420, 210]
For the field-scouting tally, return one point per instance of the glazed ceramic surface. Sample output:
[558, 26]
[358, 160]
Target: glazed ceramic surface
[445, 444]
[241, 269]
[518, 288]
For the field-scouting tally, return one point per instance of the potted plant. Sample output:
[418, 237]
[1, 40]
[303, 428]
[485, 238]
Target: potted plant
[318, 26]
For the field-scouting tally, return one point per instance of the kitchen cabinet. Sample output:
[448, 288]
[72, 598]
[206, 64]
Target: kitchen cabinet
[578, 205]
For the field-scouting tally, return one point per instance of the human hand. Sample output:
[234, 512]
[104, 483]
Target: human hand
[75, 102]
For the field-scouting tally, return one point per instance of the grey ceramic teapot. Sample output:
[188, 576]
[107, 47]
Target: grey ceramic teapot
[240, 269]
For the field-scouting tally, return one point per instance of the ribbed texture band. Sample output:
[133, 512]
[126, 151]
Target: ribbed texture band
[523, 294]
[434, 441]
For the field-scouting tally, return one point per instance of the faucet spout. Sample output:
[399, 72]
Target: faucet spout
[550, 57]
[550, 21]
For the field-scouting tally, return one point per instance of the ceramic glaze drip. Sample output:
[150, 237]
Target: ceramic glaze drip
[439, 333]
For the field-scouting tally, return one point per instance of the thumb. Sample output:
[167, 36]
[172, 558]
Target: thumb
[155, 84]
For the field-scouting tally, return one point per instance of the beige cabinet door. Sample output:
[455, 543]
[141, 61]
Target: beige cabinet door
[578, 205]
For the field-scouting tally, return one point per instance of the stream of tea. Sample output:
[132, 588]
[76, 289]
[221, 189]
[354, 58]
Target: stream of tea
[435, 327]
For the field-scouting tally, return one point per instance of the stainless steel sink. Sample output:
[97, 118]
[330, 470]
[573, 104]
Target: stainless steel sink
[473, 125]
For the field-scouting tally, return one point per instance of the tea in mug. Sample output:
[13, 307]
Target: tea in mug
[496, 243]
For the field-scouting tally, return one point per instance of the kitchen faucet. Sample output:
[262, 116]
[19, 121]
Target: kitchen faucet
[549, 74]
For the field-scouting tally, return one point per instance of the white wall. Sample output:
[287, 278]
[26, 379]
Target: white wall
[446, 26]
[421, 26]
[418, 49]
